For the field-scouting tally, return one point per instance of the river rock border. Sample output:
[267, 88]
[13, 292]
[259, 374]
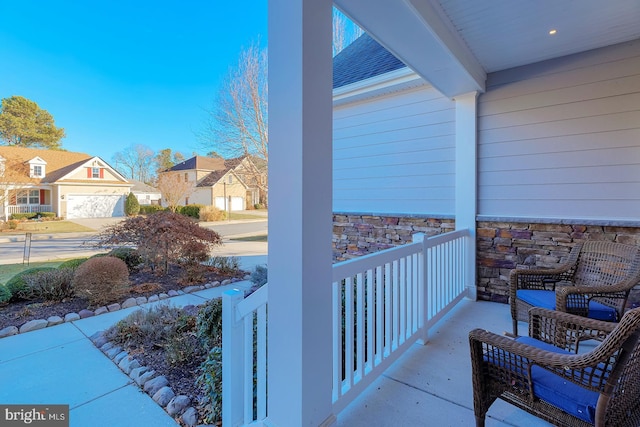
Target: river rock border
[156, 386]
[33, 325]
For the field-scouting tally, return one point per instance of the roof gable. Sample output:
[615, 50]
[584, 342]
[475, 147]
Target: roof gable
[58, 162]
[200, 163]
[361, 60]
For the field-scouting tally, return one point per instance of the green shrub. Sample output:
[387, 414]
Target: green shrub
[131, 205]
[259, 275]
[192, 211]
[5, 294]
[210, 380]
[51, 285]
[18, 286]
[32, 215]
[258, 206]
[209, 324]
[72, 263]
[102, 280]
[211, 213]
[225, 265]
[150, 209]
[130, 256]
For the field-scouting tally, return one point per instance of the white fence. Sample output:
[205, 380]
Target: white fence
[382, 304]
[12, 209]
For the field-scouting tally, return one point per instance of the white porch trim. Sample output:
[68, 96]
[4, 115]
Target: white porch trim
[466, 177]
[300, 213]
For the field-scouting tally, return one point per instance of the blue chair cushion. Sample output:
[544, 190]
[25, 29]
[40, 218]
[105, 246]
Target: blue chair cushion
[557, 391]
[547, 299]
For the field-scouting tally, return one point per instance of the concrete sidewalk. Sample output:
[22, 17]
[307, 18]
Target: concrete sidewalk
[60, 365]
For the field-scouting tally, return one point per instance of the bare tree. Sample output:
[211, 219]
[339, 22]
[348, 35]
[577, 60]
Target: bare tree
[174, 188]
[135, 162]
[237, 124]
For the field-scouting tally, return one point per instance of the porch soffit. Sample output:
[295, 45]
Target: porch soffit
[423, 43]
[453, 44]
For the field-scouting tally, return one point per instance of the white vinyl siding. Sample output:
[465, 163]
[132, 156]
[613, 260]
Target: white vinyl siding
[561, 139]
[395, 154]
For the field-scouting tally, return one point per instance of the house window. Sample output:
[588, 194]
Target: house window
[28, 197]
[186, 177]
[37, 170]
[230, 179]
[95, 172]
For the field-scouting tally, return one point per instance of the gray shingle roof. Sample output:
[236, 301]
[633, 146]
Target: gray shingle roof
[363, 59]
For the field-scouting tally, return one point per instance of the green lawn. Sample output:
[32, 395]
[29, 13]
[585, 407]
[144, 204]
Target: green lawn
[262, 238]
[7, 271]
[238, 216]
[40, 227]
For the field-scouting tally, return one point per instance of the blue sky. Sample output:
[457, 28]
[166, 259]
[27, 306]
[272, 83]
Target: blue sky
[116, 73]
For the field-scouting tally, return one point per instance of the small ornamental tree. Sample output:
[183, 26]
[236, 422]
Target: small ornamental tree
[162, 239]
[131, 205]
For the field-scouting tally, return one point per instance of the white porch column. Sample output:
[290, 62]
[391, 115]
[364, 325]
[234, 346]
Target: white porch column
[300, 213]
[466, 177]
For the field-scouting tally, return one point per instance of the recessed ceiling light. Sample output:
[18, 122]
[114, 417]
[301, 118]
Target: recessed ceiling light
[552, 32]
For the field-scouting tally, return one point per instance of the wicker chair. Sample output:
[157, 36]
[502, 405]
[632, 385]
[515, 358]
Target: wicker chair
[545, 375]
[594, 282]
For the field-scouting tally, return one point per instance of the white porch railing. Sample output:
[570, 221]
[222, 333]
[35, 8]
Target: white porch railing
[12, 209]
[386, 301]
[382, 304]
[244, 357]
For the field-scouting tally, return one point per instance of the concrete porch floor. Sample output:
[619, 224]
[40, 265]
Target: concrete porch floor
[430, 385]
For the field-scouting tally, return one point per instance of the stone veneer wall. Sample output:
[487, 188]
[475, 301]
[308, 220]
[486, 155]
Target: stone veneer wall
[355, 235]
[502, 246]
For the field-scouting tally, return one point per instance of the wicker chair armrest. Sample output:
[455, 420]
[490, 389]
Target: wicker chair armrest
[537, 279]
[568, 320]
[565, 330]
[508, 355]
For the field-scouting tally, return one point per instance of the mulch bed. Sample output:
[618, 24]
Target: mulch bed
[143, 283]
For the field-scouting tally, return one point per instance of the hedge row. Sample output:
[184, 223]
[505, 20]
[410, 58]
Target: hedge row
[32, 215]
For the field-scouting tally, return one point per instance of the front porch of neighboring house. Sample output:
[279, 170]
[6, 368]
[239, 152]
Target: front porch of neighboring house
[28, 200]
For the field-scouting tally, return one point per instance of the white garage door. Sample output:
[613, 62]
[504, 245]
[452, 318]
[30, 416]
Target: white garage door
[237, 203]
[80, 206]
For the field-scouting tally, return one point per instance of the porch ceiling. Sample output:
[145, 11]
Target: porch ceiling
[454, 43]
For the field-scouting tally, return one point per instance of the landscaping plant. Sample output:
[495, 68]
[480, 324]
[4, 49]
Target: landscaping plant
[162, 239]
[131, 205]
[102, 280]
[17, 285]
[51, 285]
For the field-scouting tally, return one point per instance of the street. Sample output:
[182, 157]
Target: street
[52, 247]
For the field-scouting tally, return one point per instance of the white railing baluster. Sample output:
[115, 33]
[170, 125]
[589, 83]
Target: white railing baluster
[380, 318]
[248, 369]
[360, 327]
[337, 340]
[262, 363]
[370, 334]
[348, 332]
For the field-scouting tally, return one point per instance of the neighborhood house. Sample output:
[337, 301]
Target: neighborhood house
[72, 185]
[228, 184]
